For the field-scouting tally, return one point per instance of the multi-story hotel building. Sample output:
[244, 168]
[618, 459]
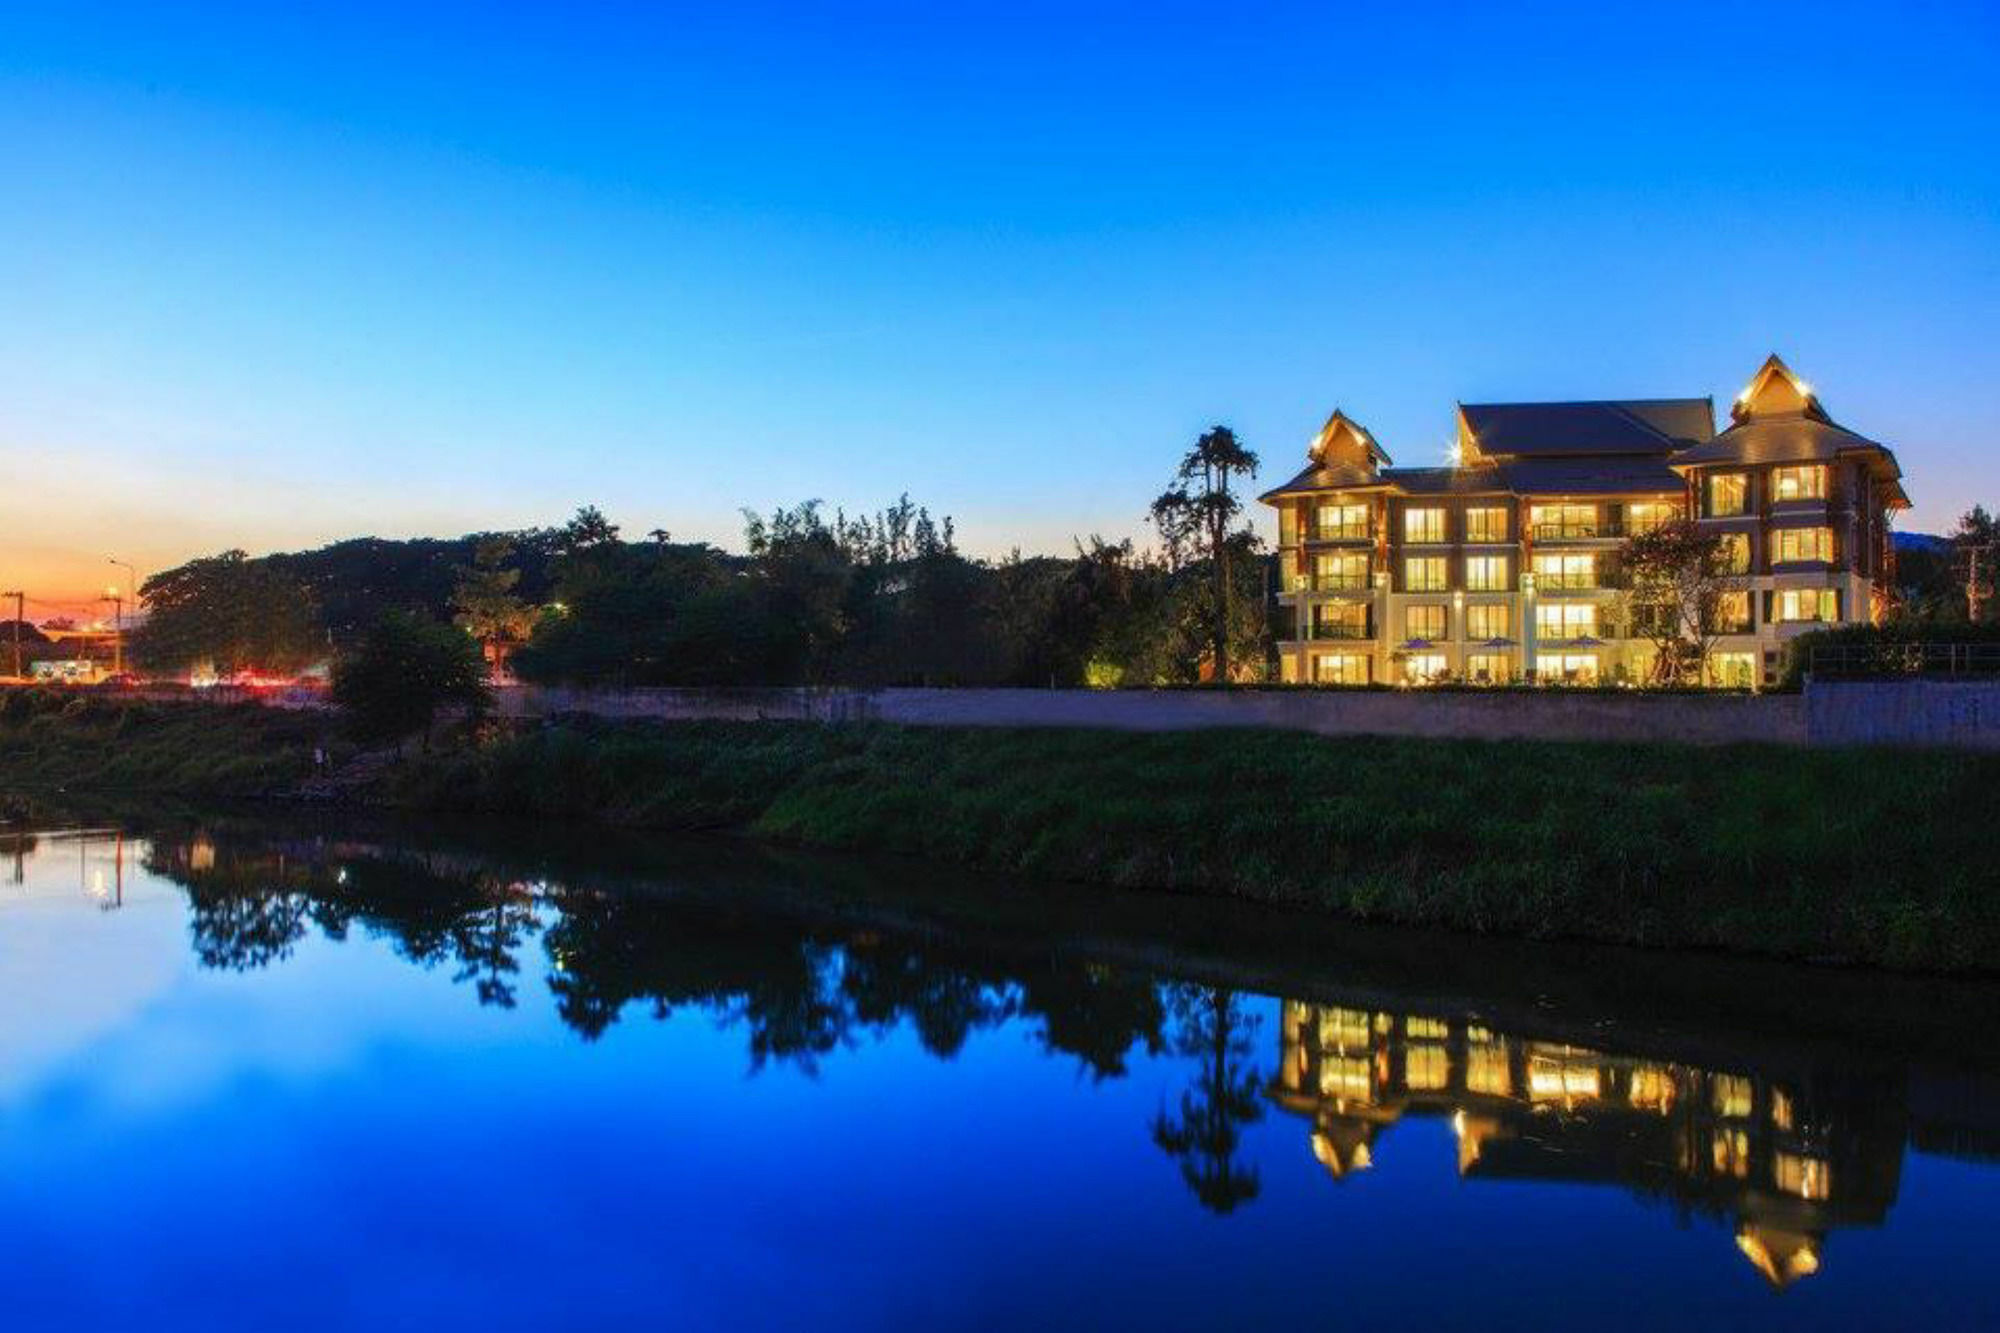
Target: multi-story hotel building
[1504, 565]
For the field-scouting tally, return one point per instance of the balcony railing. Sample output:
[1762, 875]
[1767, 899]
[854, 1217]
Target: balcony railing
[1575, 532]
[1338, 532]
[1546, 582]
[1340, 632]
[1330, 583]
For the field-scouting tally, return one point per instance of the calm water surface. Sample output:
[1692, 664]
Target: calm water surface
[300, 1078]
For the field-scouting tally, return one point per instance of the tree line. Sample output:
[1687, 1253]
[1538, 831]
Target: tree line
[814, 599]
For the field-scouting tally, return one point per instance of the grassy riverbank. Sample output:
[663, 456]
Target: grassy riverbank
[54, 741]
[1868, 856]
[1865, 856]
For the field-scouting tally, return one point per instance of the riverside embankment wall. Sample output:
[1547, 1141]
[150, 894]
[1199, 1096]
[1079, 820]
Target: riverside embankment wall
[1958, 714]
[1510, 715]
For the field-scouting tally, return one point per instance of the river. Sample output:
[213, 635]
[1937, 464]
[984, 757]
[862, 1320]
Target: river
[305, 1075]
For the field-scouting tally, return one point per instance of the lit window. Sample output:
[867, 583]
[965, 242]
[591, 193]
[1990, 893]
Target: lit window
[1732, 1095]
[1340, 522]
[1736, 671]
[1486, 524]
[1807, 1177]
[1488, 668]
[1488, 620]
[1575, 668]
[1422, 668]
[1734, 553]
[1424, 622]
[1340, 668]
[1288, 525]
[1424, 573]
[1728, 494]
[1556, 521]
[1340, 572]
[1423, 525]
[1792, 605]
[1486, 573]
[1559, 572]
[1799, 483]
[1562, 621]
[1426, 1067]
[1732, 613]
[1650, 515]
[1340, 620]
[1793, 545]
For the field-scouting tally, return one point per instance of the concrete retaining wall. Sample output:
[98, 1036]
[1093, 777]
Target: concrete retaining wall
[1961, 714]
[1508, 715]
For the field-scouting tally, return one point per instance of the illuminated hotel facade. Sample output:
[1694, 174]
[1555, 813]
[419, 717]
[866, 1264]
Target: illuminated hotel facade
[1504, 565]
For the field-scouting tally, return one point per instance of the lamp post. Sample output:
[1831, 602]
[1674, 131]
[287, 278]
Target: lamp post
[117, 631]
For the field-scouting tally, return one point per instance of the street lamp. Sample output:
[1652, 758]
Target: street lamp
[132, 596]
[117, 630]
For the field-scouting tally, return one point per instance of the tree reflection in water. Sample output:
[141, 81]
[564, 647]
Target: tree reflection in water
[1785, 1157]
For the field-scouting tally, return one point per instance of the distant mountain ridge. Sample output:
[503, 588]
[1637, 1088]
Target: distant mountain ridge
[1922, 541]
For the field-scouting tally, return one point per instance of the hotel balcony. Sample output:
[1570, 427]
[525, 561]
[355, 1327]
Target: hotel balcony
[1340, 532]
[1577, 532]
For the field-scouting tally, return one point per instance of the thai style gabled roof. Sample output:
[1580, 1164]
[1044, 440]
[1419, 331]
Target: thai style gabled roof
[1778, 419]
[1609, 447]
[1554, 430]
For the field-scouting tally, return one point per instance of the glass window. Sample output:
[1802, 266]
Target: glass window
[1423, 525]
[1424, 621]
[1799, 483]
[1340, 668]
[1732, 613]
[1488, 668]
[1792, 605]
[1573, 570]
[1288, 525]
[1734, 670]
[1554, 521]
[1486, 523]
[1340, 620]
[1340, 522]
[1340, 571]
[1422, 668]
[1576, 668]
[1791, 545]
[1486, 573]
[1734, 553]
[1728, 494]
[1424, 573]
[1650, 515]
[1563, 621]
[1488, 620]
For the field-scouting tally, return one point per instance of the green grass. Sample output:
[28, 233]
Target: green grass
[1869, 856]
[54, 741]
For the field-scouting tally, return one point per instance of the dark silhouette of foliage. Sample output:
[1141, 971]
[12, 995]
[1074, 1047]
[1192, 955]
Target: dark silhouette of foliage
[1223, 1098]
[394, 683]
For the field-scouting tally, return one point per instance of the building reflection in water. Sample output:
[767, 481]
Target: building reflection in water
[1787, 1162]
[1782, 1145]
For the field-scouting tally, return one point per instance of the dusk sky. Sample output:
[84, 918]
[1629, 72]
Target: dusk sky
[274, 280]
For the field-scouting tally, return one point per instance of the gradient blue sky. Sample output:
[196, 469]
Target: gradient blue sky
[271, 279]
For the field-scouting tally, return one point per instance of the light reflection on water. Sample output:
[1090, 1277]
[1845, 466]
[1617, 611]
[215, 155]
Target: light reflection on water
[295, 1039]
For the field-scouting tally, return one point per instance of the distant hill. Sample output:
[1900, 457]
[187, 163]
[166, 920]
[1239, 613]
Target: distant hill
[1922, 541]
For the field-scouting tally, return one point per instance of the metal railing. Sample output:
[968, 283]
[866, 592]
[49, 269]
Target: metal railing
[1570, 532]
[1331, 583]
[1339, 632]
[1339, 532]
[1849, 660]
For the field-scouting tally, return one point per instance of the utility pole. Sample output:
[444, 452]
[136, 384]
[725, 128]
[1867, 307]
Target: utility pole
[1975, 588]
[20, 604]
